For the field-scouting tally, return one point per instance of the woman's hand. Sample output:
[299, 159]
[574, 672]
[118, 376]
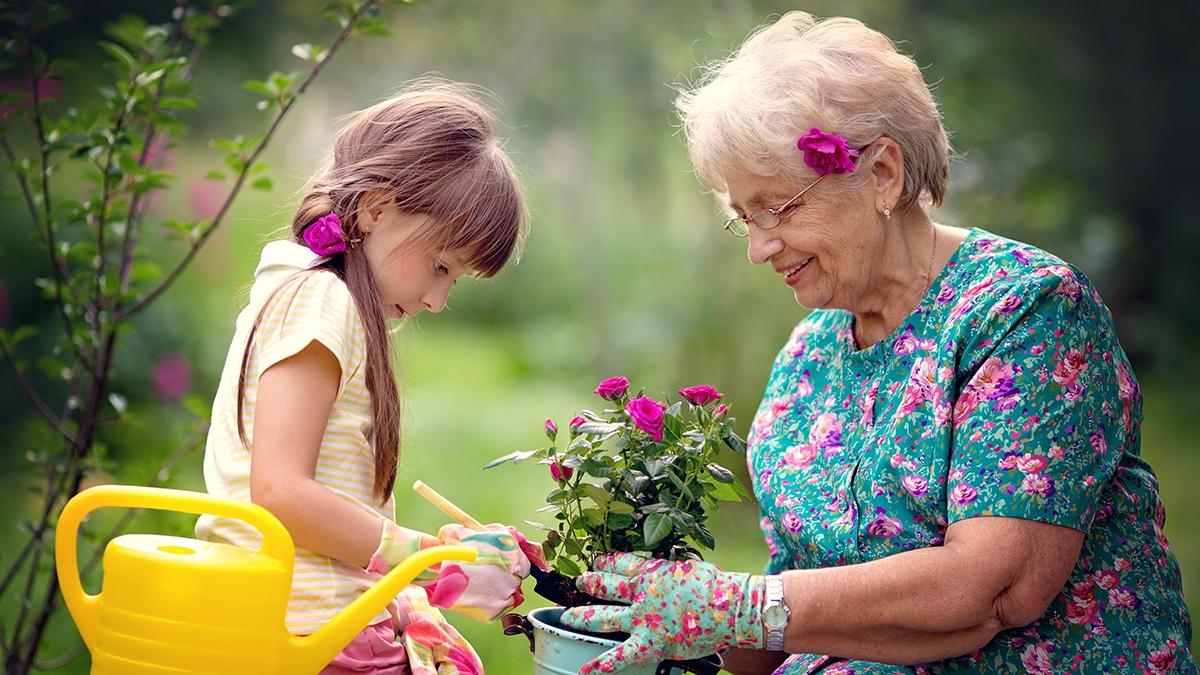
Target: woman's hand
[678, 610]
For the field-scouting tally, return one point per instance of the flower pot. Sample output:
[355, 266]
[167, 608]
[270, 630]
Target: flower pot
[559, 650]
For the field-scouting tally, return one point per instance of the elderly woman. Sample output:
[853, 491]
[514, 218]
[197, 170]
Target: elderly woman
[947, 454]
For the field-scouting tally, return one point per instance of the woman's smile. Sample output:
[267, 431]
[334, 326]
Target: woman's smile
[793, 273]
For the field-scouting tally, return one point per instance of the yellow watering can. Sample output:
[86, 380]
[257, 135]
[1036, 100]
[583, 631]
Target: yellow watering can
[184, 606]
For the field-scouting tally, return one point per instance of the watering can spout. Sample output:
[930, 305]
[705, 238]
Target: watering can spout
[323, 645]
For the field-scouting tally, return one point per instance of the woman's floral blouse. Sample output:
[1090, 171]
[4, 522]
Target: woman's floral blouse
[1005, 393]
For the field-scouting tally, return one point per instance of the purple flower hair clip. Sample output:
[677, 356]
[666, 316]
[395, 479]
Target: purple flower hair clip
[325, 236]
[826, 153]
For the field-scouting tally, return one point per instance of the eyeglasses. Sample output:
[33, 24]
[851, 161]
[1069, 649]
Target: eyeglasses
[767, 219]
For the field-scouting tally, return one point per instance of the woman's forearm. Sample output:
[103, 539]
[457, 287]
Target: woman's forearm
[917, 606]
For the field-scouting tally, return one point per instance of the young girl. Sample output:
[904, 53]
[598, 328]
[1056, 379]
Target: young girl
[306, 419]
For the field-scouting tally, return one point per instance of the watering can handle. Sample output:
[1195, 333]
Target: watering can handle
[277, 543]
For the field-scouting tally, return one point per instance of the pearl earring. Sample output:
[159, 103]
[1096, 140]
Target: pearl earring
[887, 213]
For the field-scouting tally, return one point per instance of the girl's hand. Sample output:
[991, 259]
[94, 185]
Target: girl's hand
[491, 585]
[678, 610]
[482, 590]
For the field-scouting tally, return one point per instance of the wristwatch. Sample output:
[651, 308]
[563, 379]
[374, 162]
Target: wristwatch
[775, 613]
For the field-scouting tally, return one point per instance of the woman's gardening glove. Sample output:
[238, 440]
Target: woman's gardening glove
[482, 590]
[678, 610]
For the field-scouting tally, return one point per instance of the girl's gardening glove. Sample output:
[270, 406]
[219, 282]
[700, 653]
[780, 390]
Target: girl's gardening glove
[482, 590]
[678, 610]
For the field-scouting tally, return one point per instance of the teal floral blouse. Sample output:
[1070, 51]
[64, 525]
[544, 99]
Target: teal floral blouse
[1005, 393]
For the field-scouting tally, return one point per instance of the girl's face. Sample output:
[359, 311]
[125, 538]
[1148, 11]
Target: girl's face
[410, 278]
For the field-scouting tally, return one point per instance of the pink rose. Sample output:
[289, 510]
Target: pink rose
[1007, 305]
[560, 473]
[826, 153]
[574, 425]
[800, 456]
[325, 236]
[720, 412]
[551, 430]
[792, 522]
[700, 394]
[647, 415]
[612, 388]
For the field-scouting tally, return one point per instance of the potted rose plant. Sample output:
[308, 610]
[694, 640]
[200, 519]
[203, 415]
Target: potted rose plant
[641, 476]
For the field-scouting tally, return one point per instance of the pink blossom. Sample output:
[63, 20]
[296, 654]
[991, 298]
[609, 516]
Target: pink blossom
[993, 380]
[1036, 659]
[1007, 305]
[906, 342]
[1029, 463]
[612, 388]
[1122, 598]
[720, 411]
[1009, 461]
[916, 485]
[884, 527]
[963, 494]
[172, 377]
[1107, 579]
[1163, 660]
[325, 236]
[576, 422]
[800, 456]
[826, 431]
[560, 473]
[1038, 484]
[1099, 442]
[964, 406]
[945, 293]
[792, 521]
[701, 394]
[826, 153]
[551, 430]
[647, 415]
[1069, 367]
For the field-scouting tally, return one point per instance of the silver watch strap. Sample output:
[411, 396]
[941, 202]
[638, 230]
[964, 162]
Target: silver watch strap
[774, 598]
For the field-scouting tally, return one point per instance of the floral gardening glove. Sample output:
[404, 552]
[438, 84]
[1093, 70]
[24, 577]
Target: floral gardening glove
[678, 610]
[482, 590]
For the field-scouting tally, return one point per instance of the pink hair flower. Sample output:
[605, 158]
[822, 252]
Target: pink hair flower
[826, 153]
[325, 236]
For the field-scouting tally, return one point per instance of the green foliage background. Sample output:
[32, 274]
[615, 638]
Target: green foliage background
[1072, 120]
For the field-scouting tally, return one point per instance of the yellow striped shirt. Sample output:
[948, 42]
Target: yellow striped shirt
[314, 305]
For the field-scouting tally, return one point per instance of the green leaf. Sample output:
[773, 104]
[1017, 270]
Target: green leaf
[258, 87]
[120, 54]
[215, 175]
[656, 528]
[735, 442]
[177, 103]
[720, 473]
[514, 457]
[567, 566]
[597, 468]
[595, 493]
[620, 507]
[263, 183]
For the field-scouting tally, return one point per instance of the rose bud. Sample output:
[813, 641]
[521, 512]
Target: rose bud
[560, 473]
[551, 430]
[574, 426]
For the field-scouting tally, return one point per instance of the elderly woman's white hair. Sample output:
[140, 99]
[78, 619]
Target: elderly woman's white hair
[748, 110]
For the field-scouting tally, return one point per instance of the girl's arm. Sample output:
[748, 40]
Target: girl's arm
[932, 603]
[292, 407]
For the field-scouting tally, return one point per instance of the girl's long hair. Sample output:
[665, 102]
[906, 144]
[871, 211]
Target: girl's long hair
[432, 150]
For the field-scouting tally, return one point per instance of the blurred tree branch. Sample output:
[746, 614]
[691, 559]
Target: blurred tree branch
[97, 283]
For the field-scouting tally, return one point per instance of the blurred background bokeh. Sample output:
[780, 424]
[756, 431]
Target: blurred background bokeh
[1074, 123]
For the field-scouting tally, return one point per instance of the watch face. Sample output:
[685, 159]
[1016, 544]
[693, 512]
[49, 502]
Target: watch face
[775, 616]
